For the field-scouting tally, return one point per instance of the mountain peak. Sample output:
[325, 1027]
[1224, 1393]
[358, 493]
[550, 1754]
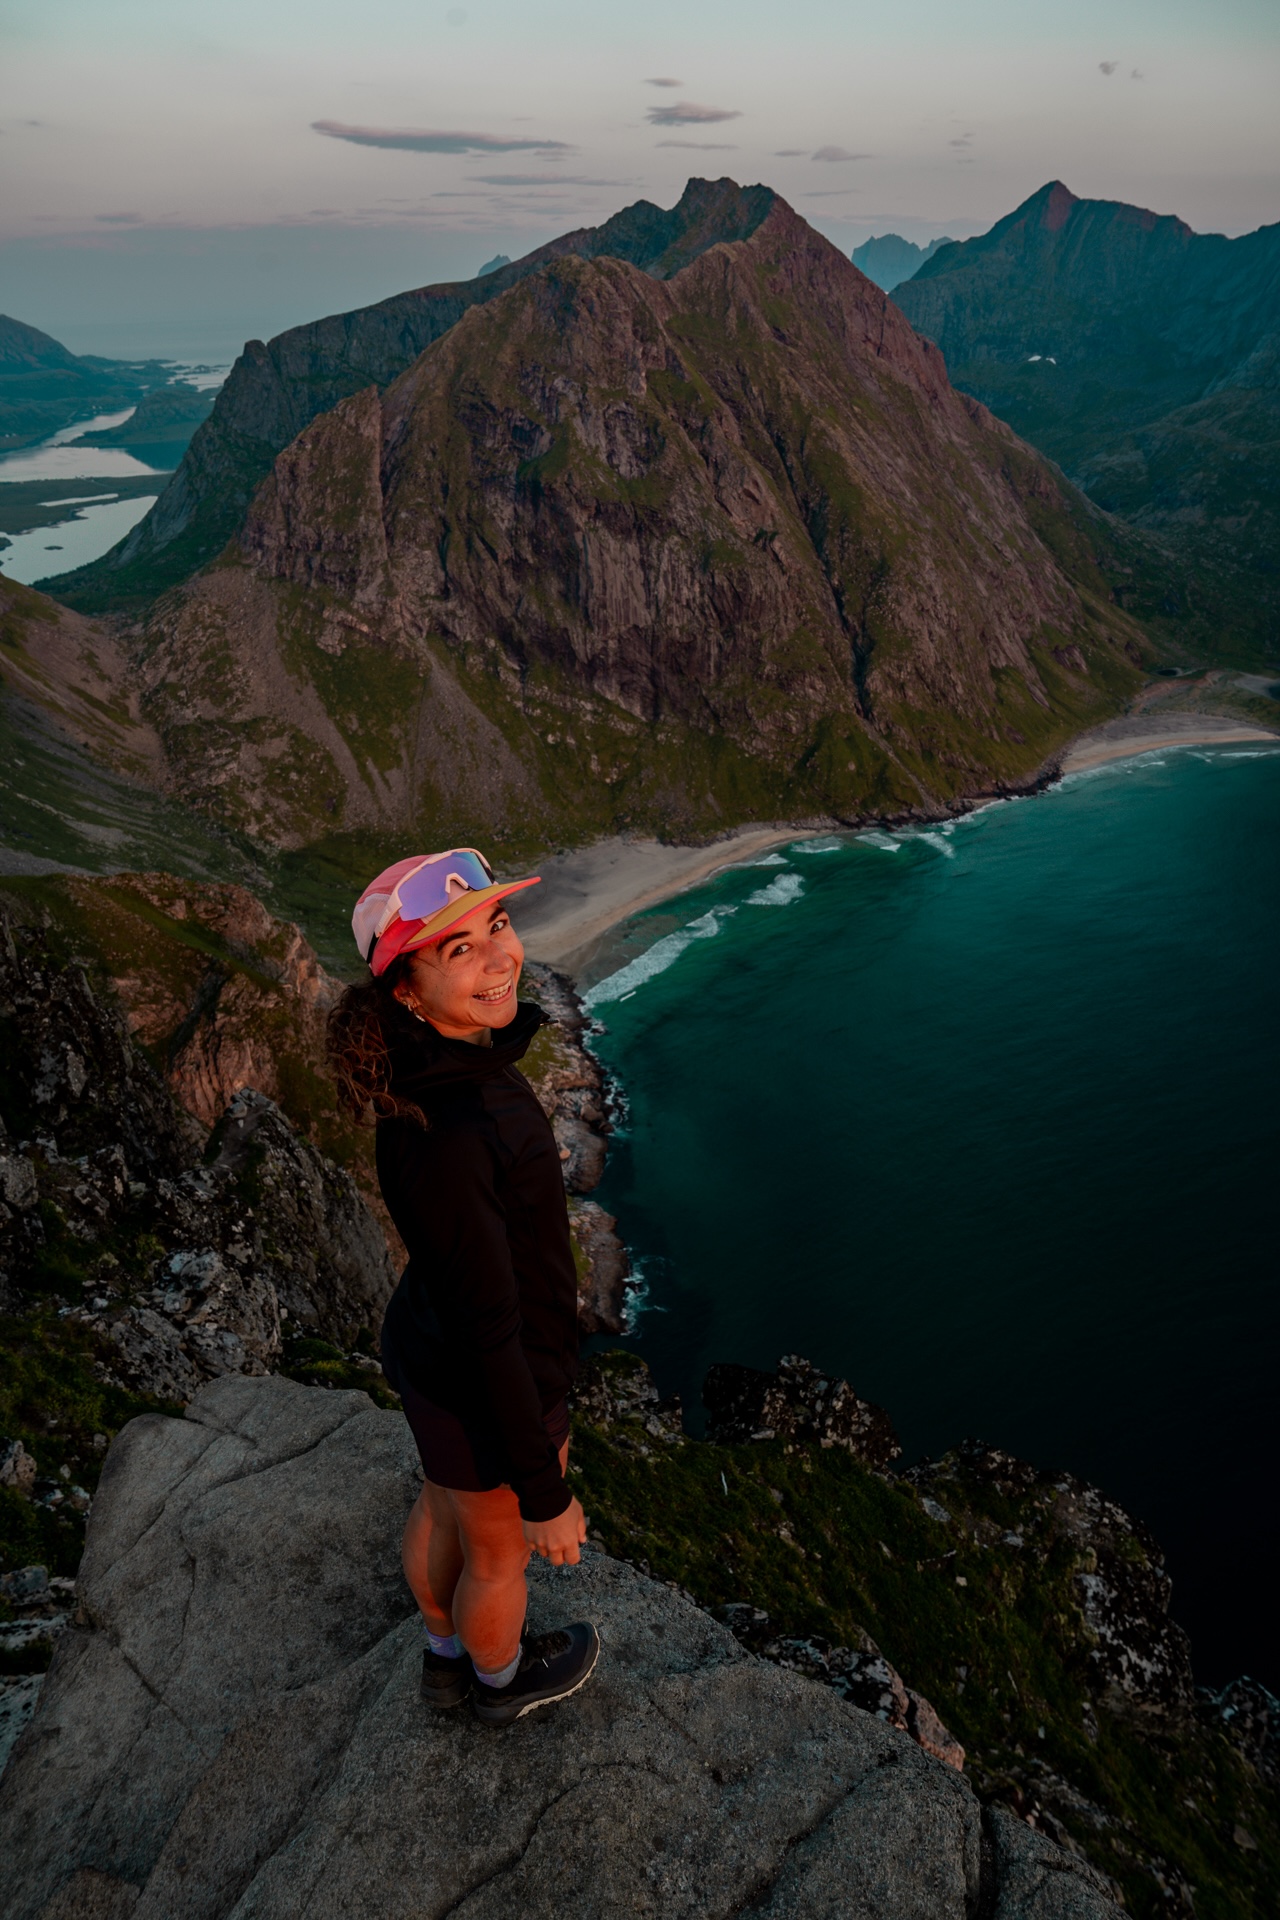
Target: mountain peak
[24, 346]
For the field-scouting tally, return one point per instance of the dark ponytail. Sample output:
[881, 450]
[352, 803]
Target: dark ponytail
[359, 1053]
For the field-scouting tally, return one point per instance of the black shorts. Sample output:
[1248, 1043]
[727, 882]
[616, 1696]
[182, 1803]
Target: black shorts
[460, 1454]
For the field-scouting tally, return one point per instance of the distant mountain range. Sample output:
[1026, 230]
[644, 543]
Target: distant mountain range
[1145, 359]
[669, 541]
[889, 259]
[44, 388]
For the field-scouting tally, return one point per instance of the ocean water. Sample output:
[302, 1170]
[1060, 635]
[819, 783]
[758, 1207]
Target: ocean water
[986, 1119]
[93, 526]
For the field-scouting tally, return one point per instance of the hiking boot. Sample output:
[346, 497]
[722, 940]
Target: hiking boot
[445, 1683]
[552, 1666]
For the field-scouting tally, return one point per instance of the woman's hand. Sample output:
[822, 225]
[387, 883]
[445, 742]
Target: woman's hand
[558, 1540]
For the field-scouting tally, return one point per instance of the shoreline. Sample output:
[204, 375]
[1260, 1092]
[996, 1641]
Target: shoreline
[589, 891]
[1125, 739]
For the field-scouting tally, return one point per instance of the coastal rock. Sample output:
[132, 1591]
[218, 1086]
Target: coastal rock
[1139, 1658]
[1250, 1717]
[796, 1403]
[244, 1621]
[573, 1090]
[616, 1393]
[862, 1675]
[602, 1287]
[570, 1083]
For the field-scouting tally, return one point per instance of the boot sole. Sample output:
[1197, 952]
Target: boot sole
[504, 1717]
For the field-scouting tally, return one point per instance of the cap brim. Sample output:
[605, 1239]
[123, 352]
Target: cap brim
[463, 907]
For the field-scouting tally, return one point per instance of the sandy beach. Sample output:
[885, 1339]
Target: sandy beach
[1147, 733]
[586, 892]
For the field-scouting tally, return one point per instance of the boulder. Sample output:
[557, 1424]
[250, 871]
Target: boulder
[232, 1726]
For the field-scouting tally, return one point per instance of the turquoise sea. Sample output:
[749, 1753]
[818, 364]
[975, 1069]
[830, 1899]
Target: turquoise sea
[984, 1118]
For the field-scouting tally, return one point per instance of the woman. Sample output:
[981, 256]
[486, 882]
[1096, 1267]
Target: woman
[481, 1335]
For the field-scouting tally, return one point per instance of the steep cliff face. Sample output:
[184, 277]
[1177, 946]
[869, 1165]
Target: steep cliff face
[1140, 355]
[275, 389]
[621, 550]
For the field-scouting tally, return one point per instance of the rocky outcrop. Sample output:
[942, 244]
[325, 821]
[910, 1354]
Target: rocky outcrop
[860, 1674]
[571, 1085]
[1139, 1657]
[676, 551]
[233, 1725]
[796, 1403]
[616, 1396]
[181, 1261]
[1013, 1619]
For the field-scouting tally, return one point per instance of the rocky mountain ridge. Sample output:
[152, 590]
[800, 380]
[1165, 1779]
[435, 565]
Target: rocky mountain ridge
[276, 389]
[621, 550]
[1143, 358]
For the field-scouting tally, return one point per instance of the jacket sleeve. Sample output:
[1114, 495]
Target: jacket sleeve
[456, 1227]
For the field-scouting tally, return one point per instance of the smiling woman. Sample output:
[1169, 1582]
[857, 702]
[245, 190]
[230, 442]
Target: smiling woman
[481, 1337]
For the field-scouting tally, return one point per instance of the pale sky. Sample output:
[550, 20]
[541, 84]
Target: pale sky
[441, 133]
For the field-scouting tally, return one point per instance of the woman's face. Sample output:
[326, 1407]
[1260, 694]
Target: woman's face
[466, 983]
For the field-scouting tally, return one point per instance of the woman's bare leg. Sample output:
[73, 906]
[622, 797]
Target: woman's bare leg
[490, 1596]
[432, 1557]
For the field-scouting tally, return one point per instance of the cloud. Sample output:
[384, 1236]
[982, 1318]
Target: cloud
[544, 180]
[118, 219]
[664, 83]
[687, 113]
[700, 146]
[1107, 66]
[791, 153]
[840, 153]
[965, 140]
[424, 140]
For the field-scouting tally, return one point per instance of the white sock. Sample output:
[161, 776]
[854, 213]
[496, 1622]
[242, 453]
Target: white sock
[503, 1676]
[447, 1645]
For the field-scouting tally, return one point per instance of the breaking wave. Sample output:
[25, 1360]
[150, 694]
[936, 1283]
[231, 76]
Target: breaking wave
[656, 959]
[779, 893]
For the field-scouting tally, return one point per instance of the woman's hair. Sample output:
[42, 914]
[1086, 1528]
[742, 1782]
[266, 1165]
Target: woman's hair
[356, 1043]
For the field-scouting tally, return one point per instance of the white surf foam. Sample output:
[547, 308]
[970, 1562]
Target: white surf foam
[816, 846]
[662, 954]
[779, 893]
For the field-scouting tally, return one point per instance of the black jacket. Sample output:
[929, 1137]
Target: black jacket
[484, 1320]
